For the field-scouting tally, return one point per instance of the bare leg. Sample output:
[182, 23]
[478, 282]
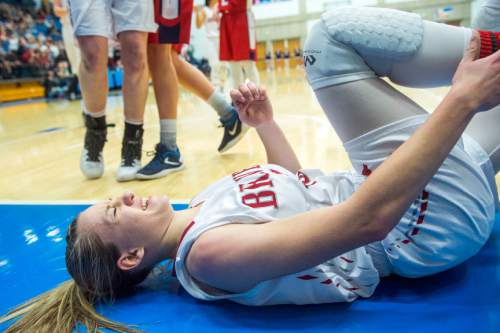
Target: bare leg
[191, 78]
[135, 83]
[236, 73]
[164, 78]
[94, 85]
[135, 89]
[93, 72]
[195, 81]
[167, 157]
[251, 72]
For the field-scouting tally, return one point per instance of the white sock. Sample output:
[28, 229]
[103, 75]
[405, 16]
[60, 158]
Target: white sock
[96, 114]
[220, 105]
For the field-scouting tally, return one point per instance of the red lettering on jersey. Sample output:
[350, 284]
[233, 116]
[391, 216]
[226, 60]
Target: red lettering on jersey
[240, 177]
[305, 179]
[259, 182]
[276, 171]
[260, 200]
[243, 173]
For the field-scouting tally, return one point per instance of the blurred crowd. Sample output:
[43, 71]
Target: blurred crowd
[31, 46]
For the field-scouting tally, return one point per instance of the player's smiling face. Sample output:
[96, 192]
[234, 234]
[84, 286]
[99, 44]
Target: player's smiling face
[128, 221]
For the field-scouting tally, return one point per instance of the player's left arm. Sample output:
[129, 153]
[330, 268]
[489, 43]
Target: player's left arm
[255, 110]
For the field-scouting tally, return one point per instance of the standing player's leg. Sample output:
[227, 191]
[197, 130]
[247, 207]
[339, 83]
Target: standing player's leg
[174, 26]
[233, 41]
[167, 154]
[92, 27]
[132, 32]
[250, 66]
[194, 80]
[251, 72]
[94, 86]
[135, 88]
[236, 70]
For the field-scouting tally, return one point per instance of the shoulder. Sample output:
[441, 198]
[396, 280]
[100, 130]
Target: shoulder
[217, 254]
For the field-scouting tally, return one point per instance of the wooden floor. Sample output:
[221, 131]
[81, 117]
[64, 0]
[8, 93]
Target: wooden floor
[40, 144]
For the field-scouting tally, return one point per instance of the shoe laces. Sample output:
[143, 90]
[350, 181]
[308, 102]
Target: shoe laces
[131, 151]
[94, 143]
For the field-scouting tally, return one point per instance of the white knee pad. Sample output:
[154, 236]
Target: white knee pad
[383, 32]
[353, 43]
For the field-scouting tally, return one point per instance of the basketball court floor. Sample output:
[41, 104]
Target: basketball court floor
[42, 189]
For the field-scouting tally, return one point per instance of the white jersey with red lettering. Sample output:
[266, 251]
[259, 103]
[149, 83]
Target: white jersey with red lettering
[268, 193]
[445, 225]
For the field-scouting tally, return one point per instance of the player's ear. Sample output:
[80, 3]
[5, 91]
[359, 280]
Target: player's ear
[130, 259]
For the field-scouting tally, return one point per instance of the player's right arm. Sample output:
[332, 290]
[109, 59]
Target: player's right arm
[236, 257]
[255, 109]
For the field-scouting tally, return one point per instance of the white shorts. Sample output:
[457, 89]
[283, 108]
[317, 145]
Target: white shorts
[453, 216]
[108, 18]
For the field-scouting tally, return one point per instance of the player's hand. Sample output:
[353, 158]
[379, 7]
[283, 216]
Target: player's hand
[252, 104]
[478, 80]
[60, 11]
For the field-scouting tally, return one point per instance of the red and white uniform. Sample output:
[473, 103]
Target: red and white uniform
[448, 223]
[174, 22]
[237, 30]
[267, 193]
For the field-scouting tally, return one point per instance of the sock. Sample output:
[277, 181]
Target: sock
[94, 123]
[132, 131]
[168, 133]
[220, 105]
[97, 114]
[132, 143]
[490, 42]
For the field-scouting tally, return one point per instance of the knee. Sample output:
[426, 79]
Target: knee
[315, 56]
[94, 57]
[134, 60]
[134, 54]
[160, 59]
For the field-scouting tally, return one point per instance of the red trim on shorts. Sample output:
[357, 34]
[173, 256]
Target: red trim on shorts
[424, 203]
[347, 260]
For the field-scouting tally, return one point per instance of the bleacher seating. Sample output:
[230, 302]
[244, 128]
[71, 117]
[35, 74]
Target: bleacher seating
[20, 89]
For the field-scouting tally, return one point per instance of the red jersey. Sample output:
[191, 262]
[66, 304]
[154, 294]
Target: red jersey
[234, 6]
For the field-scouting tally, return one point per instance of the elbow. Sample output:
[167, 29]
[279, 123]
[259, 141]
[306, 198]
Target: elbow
[378, 233]
[380, 225]
[373, 227]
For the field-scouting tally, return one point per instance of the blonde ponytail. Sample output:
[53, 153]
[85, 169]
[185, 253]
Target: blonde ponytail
[71, 304]
[60, 310]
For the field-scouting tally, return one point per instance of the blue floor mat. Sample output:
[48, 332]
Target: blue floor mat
[464, 299]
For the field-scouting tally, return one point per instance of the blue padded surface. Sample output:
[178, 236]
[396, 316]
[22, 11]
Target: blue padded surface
[465, 299]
